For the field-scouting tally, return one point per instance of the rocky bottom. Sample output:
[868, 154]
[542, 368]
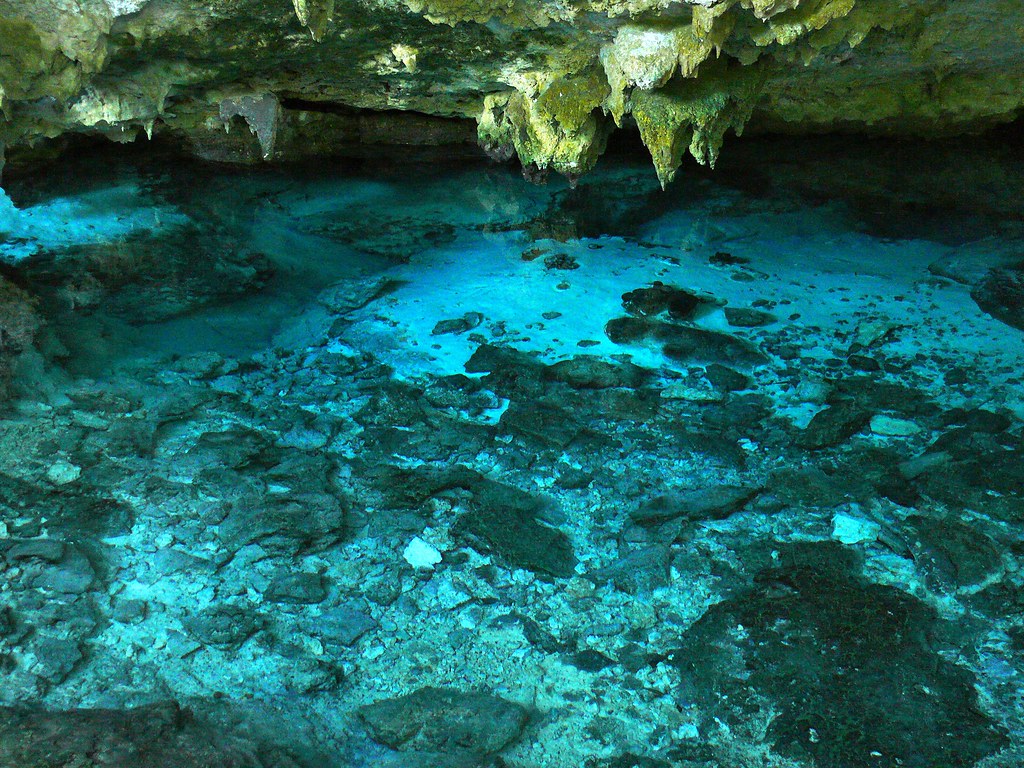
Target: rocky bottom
[423, 465]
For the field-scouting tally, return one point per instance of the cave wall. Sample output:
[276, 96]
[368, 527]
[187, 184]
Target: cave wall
[547, 80]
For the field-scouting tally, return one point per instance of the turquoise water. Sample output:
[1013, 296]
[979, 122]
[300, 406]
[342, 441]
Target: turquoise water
[415, 463]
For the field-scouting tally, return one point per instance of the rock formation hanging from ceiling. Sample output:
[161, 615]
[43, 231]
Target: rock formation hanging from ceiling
[547, 80]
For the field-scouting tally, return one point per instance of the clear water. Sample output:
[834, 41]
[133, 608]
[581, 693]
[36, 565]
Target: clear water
[419, 464]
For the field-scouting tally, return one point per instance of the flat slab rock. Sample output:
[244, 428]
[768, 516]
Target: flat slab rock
[445, 720]
[505, 520]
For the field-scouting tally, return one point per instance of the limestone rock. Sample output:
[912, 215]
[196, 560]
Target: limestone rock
[1001, 294]
[541, 79]
[832, 657]
[700, 504]
[833, 425]
[639, 571]
[506, 521]
[445, 720]
[297, 589]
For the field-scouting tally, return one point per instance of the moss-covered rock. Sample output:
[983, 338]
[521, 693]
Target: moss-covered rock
[545, 79]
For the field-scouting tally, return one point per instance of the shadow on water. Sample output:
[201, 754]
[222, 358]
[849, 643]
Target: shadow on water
[948, 191]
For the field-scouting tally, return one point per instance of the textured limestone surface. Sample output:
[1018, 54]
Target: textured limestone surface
[425, 466]
[546, 80]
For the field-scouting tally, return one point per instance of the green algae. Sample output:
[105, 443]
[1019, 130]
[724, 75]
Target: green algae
[560, 127]
[315, 15]
[694, 116]
[540, 77]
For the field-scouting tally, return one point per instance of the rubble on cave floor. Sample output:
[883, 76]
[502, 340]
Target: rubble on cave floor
[707, 481]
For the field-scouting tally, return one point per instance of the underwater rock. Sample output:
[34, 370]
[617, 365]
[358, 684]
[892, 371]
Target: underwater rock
[589, 660]
[561, 261]
[953, 552]
[420, 554]
[147, 278]
[224, 627]
[838, 670]
[742, 317]
[974, 470]
[977, 420]
[1001, 294]
[726, 259]
[726, 379]
[588, 372]
[864, 363]
[628, 330]
[157, 736]
[467, 322]
[630, 760]
[693, 390]
[888, 426]
[639, 571]
[297, 589]
[69, 511]
[506, 521]
[539, 637]
[492, 358]
[341, 627]
[659, 298]
[833, 425]
[348, 295]
[289, 525]
[73, 574]
[686, 344]
[394, 238]
[712, 503]
[445, 720]
[55, 658]
[20, 321]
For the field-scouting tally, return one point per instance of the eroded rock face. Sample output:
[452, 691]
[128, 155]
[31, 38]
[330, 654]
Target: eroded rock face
[246, 80]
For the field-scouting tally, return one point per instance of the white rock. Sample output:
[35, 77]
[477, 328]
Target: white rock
[124, 7]
[849, 529]
[63, 472]
[420, 554]
[890, 426]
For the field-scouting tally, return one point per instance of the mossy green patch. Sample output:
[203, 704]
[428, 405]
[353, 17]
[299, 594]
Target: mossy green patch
[23, 58]
[315, 15]
[647, 56]
[694, 115]
[516, 13]
[787, 27]
[561, 127]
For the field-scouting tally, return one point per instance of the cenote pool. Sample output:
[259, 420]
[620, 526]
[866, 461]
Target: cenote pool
[412, 462]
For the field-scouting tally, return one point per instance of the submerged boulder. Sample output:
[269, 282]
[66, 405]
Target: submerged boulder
[840, 672]
[445, 720]
[1001, 294]
[508, 522]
